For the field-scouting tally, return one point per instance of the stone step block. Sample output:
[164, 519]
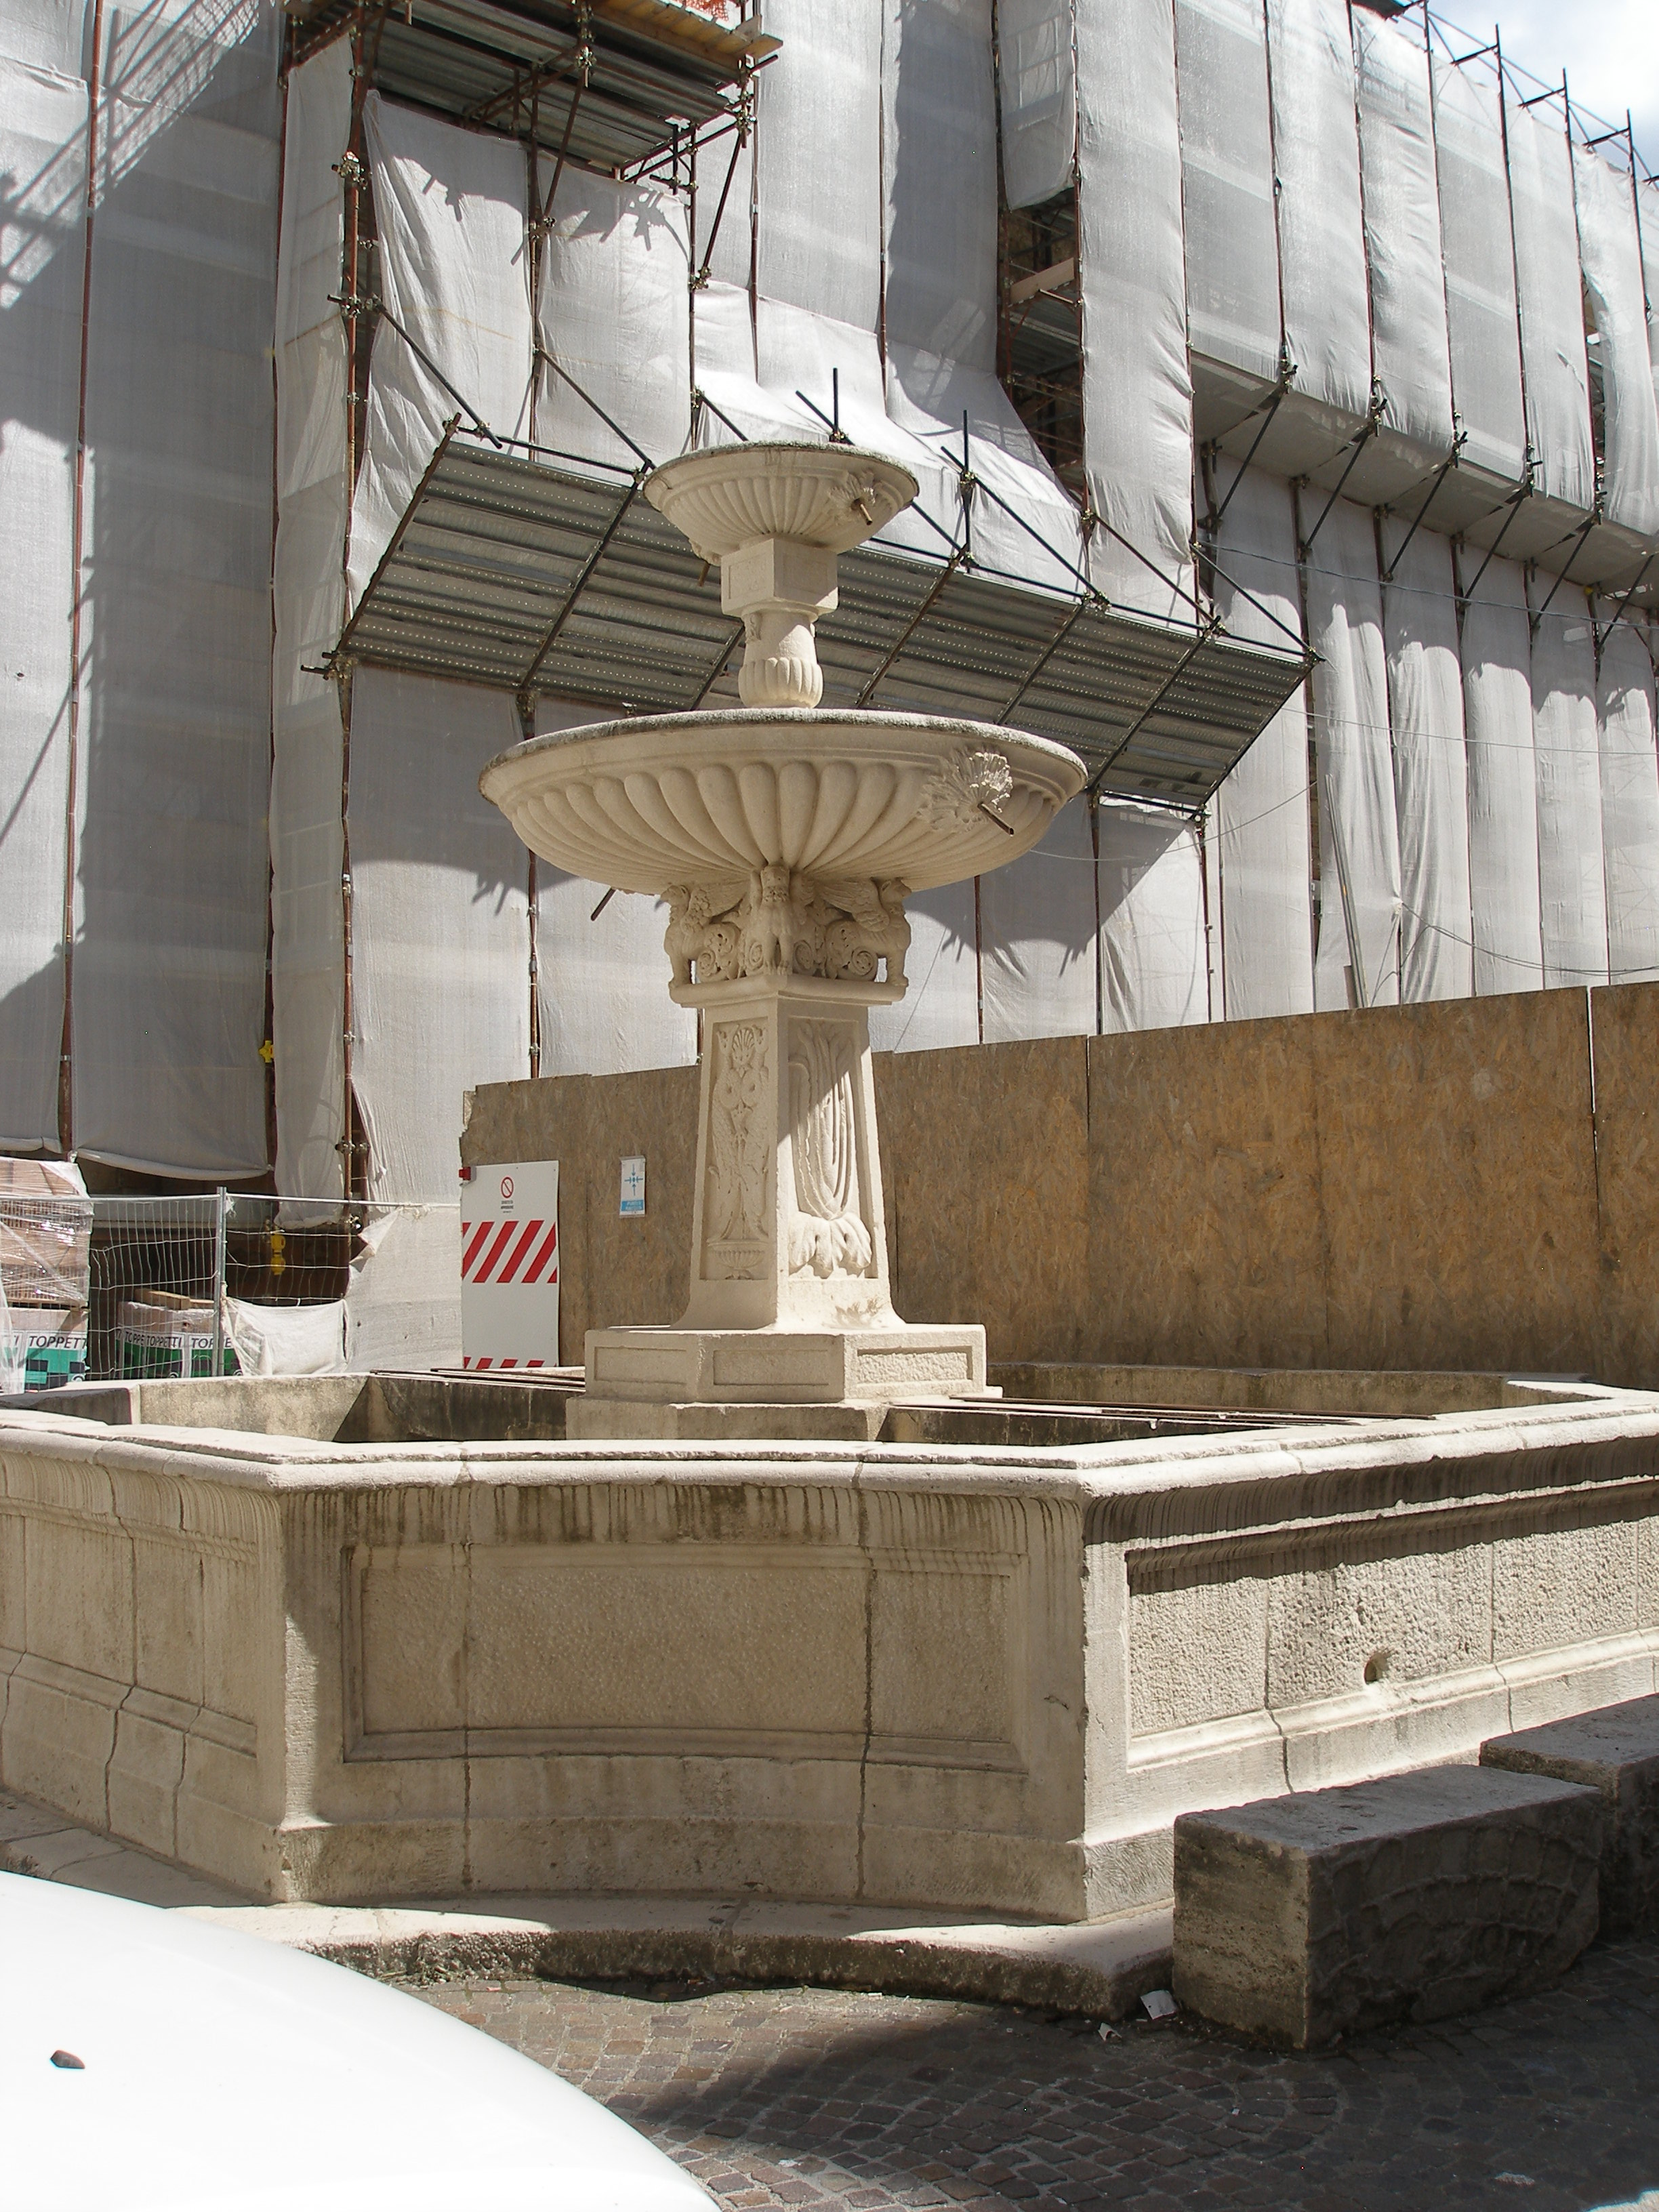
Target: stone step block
[1309, 1917]
[1615, 1750]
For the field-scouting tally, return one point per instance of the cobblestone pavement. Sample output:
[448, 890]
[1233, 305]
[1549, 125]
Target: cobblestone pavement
[818, 2097]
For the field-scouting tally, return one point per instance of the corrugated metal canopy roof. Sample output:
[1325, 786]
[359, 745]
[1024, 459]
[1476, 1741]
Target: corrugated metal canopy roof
[654, 68]
[538, 576]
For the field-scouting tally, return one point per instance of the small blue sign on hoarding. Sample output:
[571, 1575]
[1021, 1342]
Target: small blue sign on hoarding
[632, 1187]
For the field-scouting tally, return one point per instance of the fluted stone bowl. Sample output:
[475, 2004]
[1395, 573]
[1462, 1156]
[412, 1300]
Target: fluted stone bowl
[729, 496]
[706, 799]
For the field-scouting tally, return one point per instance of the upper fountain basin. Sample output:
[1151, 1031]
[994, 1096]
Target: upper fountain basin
[701, 798]
[726, 497]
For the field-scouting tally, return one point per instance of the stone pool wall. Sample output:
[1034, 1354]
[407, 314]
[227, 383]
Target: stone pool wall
[921, 1675]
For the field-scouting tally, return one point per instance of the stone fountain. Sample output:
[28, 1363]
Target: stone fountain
[785, 840]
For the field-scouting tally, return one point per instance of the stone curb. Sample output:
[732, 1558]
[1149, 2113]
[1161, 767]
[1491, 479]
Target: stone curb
[1102, 1968]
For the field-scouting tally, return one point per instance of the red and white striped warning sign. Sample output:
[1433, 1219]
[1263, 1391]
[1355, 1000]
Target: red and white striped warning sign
[510, 1266]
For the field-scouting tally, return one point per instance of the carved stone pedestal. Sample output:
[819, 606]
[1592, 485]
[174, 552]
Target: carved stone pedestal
[790, 1328]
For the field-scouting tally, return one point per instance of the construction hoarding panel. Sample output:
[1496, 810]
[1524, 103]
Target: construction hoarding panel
[510, 1266]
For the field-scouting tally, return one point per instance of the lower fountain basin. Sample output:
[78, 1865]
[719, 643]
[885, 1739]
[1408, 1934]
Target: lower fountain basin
[707, 799]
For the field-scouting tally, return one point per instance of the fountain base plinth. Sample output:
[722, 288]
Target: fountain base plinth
[789, 1328]
[792, 1382]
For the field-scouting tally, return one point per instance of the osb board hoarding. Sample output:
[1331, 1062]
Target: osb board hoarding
[1409, 1186]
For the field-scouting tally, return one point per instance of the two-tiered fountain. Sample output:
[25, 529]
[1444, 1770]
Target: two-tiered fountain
[785, 840]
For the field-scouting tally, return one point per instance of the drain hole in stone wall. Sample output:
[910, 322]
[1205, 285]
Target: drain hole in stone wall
[1377, 1665]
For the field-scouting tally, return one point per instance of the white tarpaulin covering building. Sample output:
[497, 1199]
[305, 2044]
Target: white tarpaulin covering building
[1291, 335]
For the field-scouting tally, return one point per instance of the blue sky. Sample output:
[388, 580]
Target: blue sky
[1609, 49]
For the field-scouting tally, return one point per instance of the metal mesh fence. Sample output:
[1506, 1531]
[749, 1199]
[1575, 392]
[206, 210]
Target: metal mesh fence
[118, 1289]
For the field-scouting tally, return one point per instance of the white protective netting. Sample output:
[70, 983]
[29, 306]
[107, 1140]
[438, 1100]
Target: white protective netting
[1137, 386]
[403, 1304]
[1647, 212]
[306, 838]
[1572, 894]
[1359, 909]
[1227, 184]
[1410, 353]
[614, 313]
[1552, 312]
[1432, 799]
[1611, 252]
[602, 980]
[440, 940]
[1497, 656]
[1038, 87]
[1154, 962]
[1630, 803]
[941, 1006]
[173, 866]
[1261, 815]
[453, 270]
[1322, 241]
[817, 240]
[1478, 242]
[43, 142]
[42, 34]
[1038, 927]
[939, 188]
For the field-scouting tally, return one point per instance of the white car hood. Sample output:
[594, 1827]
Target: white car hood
[220, 2070]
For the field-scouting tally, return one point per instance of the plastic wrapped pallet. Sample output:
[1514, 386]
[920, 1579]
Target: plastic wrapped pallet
[1478, 242]
[1154, 961]
[1630, 802]
[440, 944]
[1358, 841]
[603, 980]
[1137, 386]
[1227, 184]
[1610, 249]
[46, 1234]
[1038, 926]
[1038, 87]
[1497, 656]
[941, 1006]
[1552, 311]
[940, 325]
[308, 603]
[1321, 242]
[1573, 893]
[1410, 350]
[450, 206]
[172, 865]
[1261, 814]
[1425, 714]
[614, 313]
[43, 123]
